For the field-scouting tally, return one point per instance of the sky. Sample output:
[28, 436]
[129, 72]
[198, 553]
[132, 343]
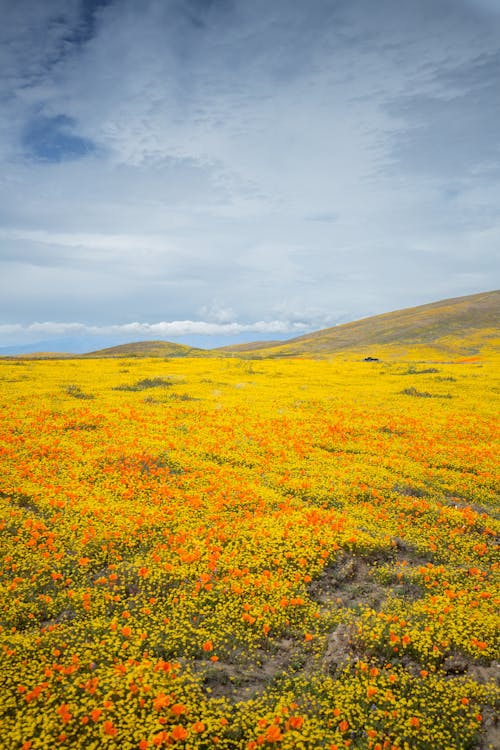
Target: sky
[218, 171]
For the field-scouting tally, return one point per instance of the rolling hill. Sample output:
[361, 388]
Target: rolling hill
[459, 326]
[146, 349]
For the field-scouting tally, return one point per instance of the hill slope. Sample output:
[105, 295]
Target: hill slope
[146, 349]
[461, 325]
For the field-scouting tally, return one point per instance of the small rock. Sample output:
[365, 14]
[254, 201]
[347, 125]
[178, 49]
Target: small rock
[338, 649]
[455, 664]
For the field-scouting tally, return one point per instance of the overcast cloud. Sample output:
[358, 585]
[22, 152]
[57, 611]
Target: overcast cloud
[239, 170]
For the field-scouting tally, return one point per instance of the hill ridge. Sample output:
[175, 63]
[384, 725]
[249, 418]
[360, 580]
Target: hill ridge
[445, 323]
[455, 325]
[145, 349]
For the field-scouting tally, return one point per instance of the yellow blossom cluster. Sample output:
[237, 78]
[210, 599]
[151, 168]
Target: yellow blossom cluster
[239, 554]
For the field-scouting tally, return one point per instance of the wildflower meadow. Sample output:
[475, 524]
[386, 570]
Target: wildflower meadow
[219, 552]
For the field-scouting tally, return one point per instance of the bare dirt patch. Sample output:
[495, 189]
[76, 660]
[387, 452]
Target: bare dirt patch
[347, 583]
[248, 676]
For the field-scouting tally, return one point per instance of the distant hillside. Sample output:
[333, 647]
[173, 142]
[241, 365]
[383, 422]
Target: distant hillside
[147, 349]
[461, 325]
[249, 346]
[457, 327]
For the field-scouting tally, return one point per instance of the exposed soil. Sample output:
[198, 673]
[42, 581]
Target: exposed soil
[348, 583]
[243, 679]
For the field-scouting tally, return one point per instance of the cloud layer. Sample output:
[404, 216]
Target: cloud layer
[287, 161]
[171, 329]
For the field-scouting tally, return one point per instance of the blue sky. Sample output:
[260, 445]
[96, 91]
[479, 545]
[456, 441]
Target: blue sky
[213, 171]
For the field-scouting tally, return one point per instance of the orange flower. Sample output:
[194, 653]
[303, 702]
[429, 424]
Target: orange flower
[296, 722]
[109, 728]
[161, 701]
[178, 709]
[160, 738]
[198, 727]
[126, 631]
[143, 745]
[207, 646]
[178, 733]
[414, 721]
[64, 713]
[344, 725]
[95, 713]
[273, 734]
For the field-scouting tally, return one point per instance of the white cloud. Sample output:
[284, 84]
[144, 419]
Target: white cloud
[217, 312]
[106, 242]
[162, 330]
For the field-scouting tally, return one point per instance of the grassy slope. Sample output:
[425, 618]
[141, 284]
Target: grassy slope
[250, 346]
[463, 326]
[137, 349]
[146, 349]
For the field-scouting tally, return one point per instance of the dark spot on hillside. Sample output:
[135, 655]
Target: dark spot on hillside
[76, 392]
[77, 427]
[26, 502]
[347, 583]
[423, 394]
[409, 490]
[249, 674]
[144, 384]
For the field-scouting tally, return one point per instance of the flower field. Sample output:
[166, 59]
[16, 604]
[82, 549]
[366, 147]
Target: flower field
[206, 552]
